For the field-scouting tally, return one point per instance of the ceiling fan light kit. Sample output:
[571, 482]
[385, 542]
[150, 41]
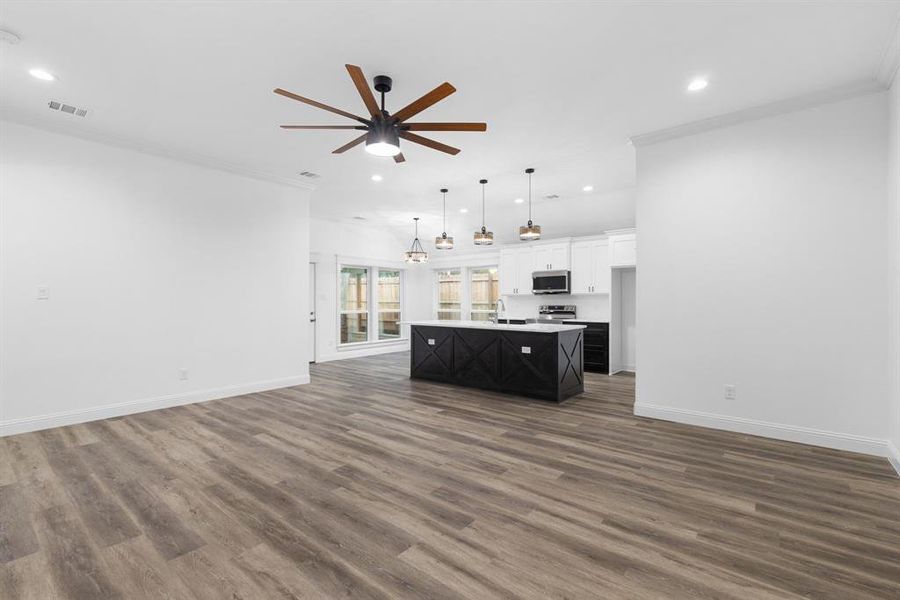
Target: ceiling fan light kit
[383, 130]
[483, 237]
[443, 241]
[416, 253]
[383, 140]
[530, 231]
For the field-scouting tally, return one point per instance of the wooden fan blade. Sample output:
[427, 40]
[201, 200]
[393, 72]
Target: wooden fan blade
[444, 126]
[399, 158]
[322, 127]
[349, 145]
[336, 111]
[435, 95]
[362, 86]
[418, 139]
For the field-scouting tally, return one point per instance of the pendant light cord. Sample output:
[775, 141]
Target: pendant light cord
[445, 213]
[482, 207]
[529, 198]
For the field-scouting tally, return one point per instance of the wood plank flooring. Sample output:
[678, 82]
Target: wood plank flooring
[366, 484]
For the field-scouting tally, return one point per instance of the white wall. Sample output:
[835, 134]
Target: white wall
[152, 266]
[894, 266]
[332, 243]
[763, 255]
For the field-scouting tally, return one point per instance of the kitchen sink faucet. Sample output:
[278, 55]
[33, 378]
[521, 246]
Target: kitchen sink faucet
[499, 310]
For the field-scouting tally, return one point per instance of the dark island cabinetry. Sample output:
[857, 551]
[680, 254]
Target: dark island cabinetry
[538, 361]
[596, 345]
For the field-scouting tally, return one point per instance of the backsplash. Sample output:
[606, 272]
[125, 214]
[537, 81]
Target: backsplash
[589, 308]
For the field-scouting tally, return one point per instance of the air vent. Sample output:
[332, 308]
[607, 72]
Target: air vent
[551, 197]
[309, 175]
[67, 108]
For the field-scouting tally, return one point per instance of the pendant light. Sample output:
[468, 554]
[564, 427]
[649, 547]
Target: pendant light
[443, 241]
[416, 253]
[531, 231]
[483, 237]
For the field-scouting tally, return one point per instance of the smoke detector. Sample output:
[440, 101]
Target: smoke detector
[67, 108]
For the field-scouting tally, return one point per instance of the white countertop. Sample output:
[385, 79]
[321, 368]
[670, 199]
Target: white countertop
[531, 327]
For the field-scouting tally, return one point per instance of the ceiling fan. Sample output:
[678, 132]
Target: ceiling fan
[383, 130]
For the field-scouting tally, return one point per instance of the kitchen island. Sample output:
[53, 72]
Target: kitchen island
[539, 360]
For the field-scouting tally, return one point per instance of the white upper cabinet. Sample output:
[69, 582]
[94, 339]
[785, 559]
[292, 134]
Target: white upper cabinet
[590, 267]
[588, 261]
[623, 250]
[509, 272]
[525, 266]
[516, 265]
[551, 257]
[602, 271]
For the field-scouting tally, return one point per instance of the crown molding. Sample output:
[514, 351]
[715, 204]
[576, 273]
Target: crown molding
[28, 119]
[818, 98]
[890, 60]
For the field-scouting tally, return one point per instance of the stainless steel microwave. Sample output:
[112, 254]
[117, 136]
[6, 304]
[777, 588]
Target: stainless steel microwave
[550, 282]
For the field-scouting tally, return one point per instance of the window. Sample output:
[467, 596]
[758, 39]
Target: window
[388, 304]
[449, 294]
[484, 289]
[369, 295]
[354, 285]
[467, 293]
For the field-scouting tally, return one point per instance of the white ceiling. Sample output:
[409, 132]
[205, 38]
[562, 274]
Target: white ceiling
[561, 85]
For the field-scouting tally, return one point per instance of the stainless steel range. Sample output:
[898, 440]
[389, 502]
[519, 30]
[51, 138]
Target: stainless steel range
[555, 313]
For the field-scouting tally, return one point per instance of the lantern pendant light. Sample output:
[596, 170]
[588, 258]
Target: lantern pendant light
[416, 253]
[483, 237]
[531, 231]
[444, 242]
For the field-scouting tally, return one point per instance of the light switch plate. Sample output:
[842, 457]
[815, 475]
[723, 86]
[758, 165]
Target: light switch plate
[43, 292]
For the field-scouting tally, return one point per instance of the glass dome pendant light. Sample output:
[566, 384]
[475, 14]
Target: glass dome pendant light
[443, 241]
[416, 253]
[483, 237]
[531, 231]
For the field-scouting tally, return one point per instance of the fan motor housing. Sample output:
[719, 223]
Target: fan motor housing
[383, 83]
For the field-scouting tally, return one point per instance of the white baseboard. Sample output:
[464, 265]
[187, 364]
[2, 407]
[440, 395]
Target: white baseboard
[778, 431]
[894, 456]
[24, 425]
[361, 352]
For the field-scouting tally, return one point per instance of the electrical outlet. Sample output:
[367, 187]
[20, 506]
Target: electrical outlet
[43, 292]
[730, 392]
[182, 374]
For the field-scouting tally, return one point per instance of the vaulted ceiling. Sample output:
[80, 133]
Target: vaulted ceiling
[561, 85]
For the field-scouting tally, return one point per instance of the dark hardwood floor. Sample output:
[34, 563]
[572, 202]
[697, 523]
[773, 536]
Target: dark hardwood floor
[365, 484]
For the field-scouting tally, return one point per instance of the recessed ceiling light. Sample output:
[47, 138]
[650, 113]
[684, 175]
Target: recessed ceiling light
[42, 75]
[464, 210]
[587, 188]
[377, 177]
[697, 84]
[519, 200]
